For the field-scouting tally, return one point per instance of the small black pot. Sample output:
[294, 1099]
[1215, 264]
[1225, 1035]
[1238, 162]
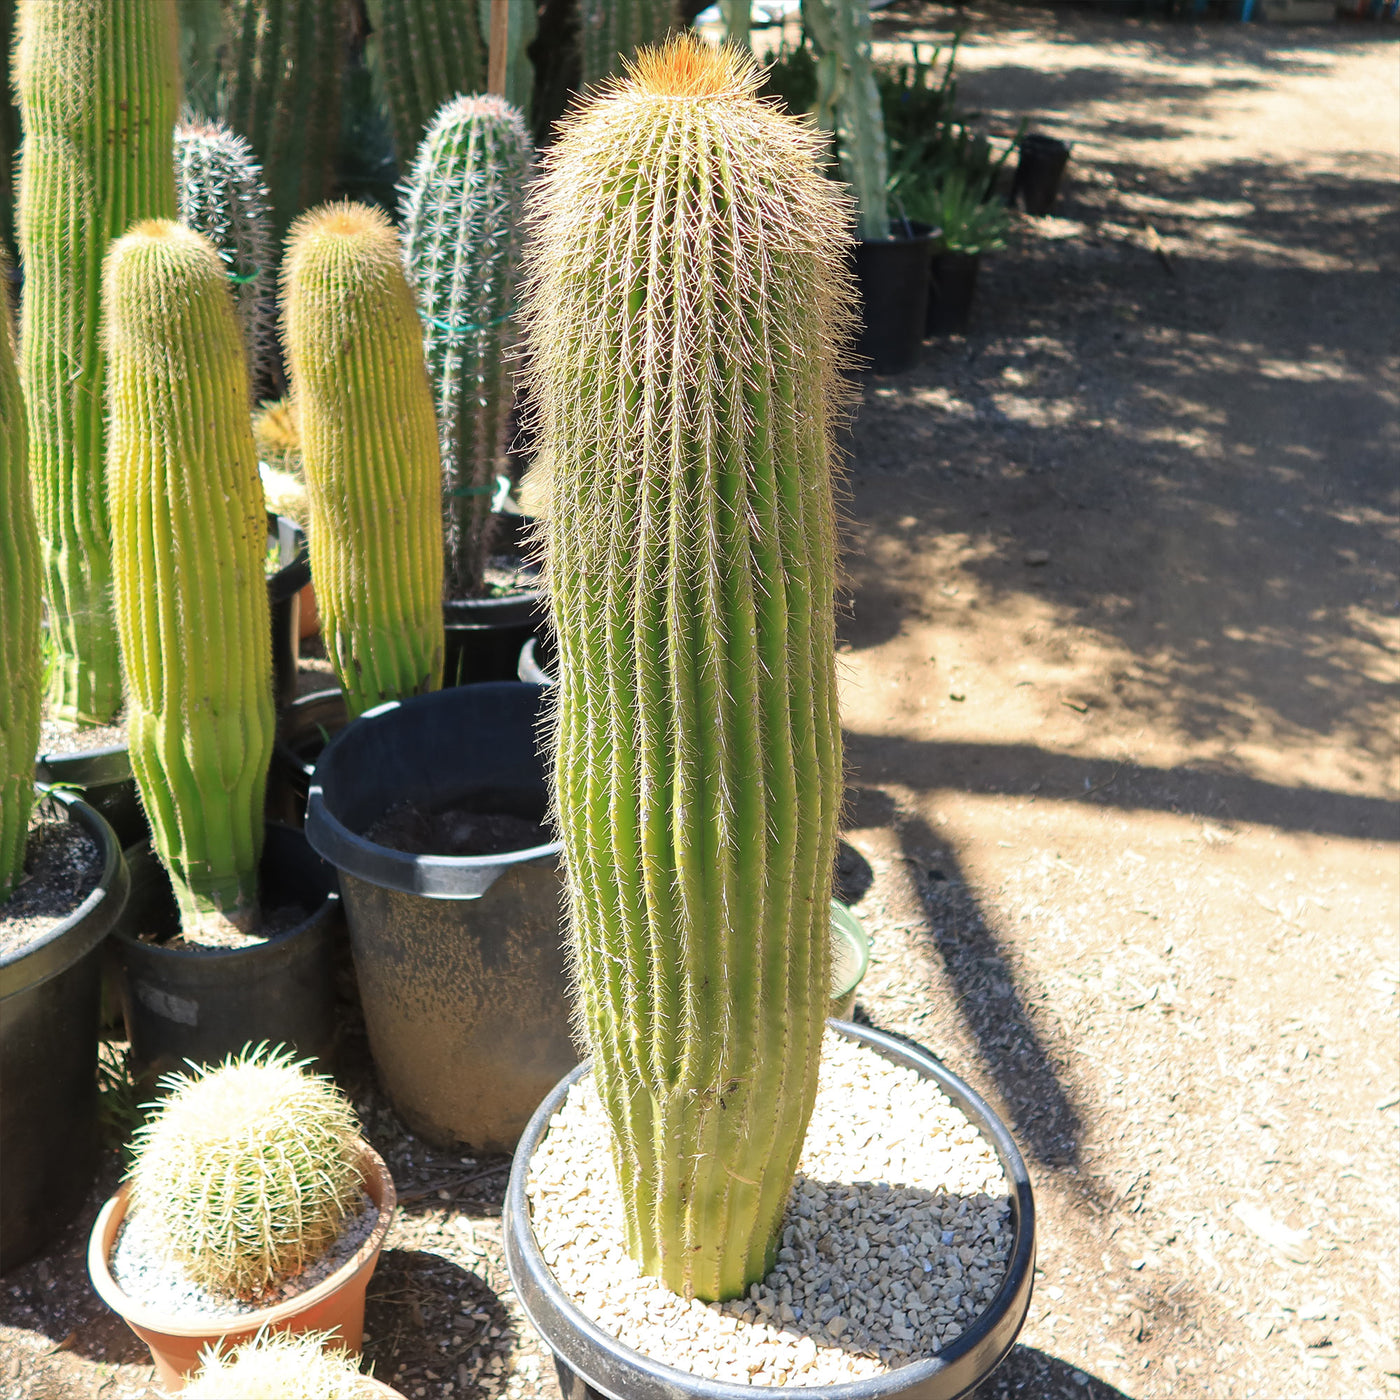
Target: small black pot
[284, 602]
[459, 959]
[202, 1004]
[592, 1365]
[105, 780]
[48, 1058]
[484, 636]
[304, 728]
[892, 274]
[1039, 165]
[952, 285]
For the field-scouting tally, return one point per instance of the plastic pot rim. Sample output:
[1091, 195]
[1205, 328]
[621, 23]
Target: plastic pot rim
[110, 763]
[480, 614]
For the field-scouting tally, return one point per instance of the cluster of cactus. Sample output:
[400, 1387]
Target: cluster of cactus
[686, 293]
[97, 85]
[182, 478]
[20, 587]
[430, 51]
[848, 104]
[221, 194]
[369, 446]
[612, 31]
[463, 233]
[250, 1170]
[310, 1365]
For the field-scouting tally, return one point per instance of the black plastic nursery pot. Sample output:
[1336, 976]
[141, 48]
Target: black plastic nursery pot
[892, 275]
[592, 1365]
[48, 1058]
[104, 779]
[1039, 165]
[459, 959]
[202, 1004]
[284, 603]
[483, 636]
[952, 286]
[304, 728]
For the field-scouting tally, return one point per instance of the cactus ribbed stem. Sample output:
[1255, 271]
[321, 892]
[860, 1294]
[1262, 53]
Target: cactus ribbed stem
[9, 131]
[21, 583]
[369, 451]
[432, 52]
[463, 230]
[686, 291]
[611, 32]
[98, 89]
[189, 539]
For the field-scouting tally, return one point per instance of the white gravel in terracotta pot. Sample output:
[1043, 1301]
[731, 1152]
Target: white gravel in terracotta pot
[896, 1236]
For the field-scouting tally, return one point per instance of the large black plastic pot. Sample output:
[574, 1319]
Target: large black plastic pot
[1039, 165]
[952, 285]
[459, 959]
[205, 1003]
[892, 275]
[104, 779]
[304, 728]
[592, 1365]
[48, 1058]
[484, 635]
[284, 603]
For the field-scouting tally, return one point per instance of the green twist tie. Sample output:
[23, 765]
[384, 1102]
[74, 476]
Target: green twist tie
[241, 279]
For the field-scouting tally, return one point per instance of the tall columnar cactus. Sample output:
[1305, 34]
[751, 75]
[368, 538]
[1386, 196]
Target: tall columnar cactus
[686, 292]
[431, 51]
[189, 538]
[97, 86]
[848, 104]
[9, 130]
[369, 451]
[463, 231]
[284, 60]
[21, 581]
[509, 31]
[611, 32]
[221, 194]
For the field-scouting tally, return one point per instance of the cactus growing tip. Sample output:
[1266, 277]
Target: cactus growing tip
[685, 66]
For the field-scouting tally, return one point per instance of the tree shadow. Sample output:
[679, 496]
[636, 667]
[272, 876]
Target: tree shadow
[1027, 1372]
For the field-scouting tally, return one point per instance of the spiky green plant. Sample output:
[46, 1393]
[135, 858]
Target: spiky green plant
[463, 233]
[189, 537]
[21, 583]
[97, 85]
[275, 1365]
[611, 32]
[369, 452]
[221, 194]
[9, 131]
[430, 51]
[249, 1169]
[848, 104]
[686, 293]
[284, 60]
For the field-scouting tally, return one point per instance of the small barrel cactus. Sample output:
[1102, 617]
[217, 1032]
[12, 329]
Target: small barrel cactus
[277, 1365]
[431, 52]
[463, 231]
[250, 1169]
[369, 449]
[687, 292]
[611, 32]
[221, 195]
[189, 538]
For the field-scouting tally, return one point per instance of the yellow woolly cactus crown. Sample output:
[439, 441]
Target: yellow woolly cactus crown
[278, 1365]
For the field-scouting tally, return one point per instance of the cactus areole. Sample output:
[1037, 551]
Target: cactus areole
[686, 299]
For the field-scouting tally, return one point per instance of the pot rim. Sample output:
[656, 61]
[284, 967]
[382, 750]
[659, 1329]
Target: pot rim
[373, 1173]
[539, 1293]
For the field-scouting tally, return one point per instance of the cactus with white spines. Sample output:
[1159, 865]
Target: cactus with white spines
[463, 234]
[611, 31]
[432, 51]
[686, 294]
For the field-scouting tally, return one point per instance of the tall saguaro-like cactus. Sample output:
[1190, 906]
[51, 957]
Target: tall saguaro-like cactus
[431, 51]
[189, 538]
[369, 451]
[463, 232]
[98, 87]
[611, 32]
[20, 602]
[686, 294]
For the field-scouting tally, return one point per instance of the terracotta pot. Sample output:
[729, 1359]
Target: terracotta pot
[336, 1304]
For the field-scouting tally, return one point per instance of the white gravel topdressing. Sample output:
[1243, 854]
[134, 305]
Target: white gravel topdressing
[896, 1237]
[140, 1263]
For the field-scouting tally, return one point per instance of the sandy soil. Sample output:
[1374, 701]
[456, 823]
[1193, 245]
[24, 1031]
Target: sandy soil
[1127, 816]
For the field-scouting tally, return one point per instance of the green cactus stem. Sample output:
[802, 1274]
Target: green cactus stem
[431, 52]
[9, 131]
[369, 452]
[686, 292]
[611, 32]
[221, 194]
[97, 85]
[463, 231]
[21, 585]
[189, 538]
[848, 104]
[283, 82]
[737, 16]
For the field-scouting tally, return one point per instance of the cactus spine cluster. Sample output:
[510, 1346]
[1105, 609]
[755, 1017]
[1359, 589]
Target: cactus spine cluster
[431, 51]
[314, 1365]
[463, 230]
[220, 194]
[21, 582]
[611, 32]
[369, 452]
[97, 85]
[686, 290]
[848, 104]
[189, 538]
[284, 60]
[251, 1168]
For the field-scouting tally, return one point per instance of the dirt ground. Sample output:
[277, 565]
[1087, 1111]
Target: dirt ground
[1119, 671]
